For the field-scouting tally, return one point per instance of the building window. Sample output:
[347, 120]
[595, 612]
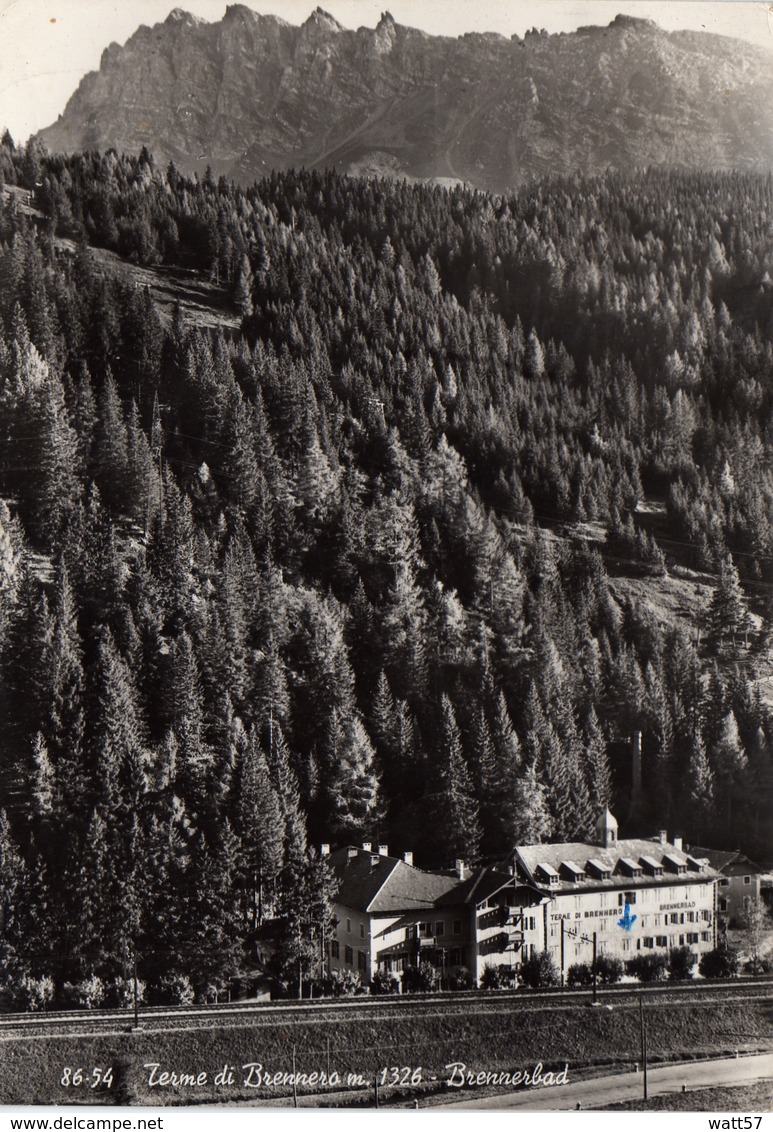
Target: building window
[747, 880]
[335, 949]
[723, 905]
[348, 954]
[626, 945]
[724, 883]
[661, 940]
[457, 927]
[425, 929]
[361, 957]
[648, 941]
[692, 937]
[658, 922]
[532, 924]
[362, 931]
[440, 928]
[626, 898]
[349, 926]
[706, 937]
[456, 957]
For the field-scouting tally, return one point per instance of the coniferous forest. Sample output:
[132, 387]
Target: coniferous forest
[330, 576]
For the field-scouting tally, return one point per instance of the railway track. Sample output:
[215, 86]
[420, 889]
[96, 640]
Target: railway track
[302, 1013]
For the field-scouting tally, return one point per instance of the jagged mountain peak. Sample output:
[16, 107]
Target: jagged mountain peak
[253, 93]
[640, 23]
[322, 20]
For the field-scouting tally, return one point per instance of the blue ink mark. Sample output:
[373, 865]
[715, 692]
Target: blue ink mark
[627, 921]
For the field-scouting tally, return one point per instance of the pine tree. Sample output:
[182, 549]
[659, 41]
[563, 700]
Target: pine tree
[260, 826]
[700, 790]
[458, 825]
[12, 877]
[596, 764]
[353, 787]
[533, 821]
[726, 617]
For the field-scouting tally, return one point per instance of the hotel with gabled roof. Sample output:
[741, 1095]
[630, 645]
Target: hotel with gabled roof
[623, 897]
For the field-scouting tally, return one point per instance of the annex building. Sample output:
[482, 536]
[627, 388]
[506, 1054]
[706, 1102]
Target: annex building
[633, 895]
[391, 915]
[740, 881]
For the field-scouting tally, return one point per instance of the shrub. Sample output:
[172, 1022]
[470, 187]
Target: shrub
[680, 963]
[460, 979]
[648, 968]
[609, 969]
[175, 990]
[540, 971]
[120, 992]
[384, 982]
[87, 994]
[417, 979]
[30, 993]
[579, 975]
[494, 977]
[721, 963]
[341, 984]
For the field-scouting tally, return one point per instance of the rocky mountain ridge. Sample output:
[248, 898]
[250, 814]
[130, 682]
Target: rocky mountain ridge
[252, 93]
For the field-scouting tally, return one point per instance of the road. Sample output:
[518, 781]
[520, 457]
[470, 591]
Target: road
[602, 1091]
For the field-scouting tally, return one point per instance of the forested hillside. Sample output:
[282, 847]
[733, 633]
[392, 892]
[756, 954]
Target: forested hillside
[264, 588]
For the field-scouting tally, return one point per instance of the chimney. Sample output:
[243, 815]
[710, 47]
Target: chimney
[678, 843]
[636, 776]
[408, 858]
[383, 850]
[461, 871]
[366, 847]
[324, 850]
[662, 836]
[374, 860]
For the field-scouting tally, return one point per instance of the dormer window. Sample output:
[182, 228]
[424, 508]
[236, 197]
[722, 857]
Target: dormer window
[599, 868]
[675, 864]
[573, 871]
[653, 867]
[629, 866]
[548, 873]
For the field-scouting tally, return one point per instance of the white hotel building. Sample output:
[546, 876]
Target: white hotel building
[638, 895]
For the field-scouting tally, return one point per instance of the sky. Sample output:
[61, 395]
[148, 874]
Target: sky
[46, 46]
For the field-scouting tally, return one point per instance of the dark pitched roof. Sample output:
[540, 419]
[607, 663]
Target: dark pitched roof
[612, 860]
[486, 882]
[723, 859]
[371, 882]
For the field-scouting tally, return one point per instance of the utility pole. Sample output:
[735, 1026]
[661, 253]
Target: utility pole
[136, 992]
[562, 952]
[643, 1044]
[595, 972]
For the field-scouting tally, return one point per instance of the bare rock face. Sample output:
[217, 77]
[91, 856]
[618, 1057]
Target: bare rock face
[252, 93]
